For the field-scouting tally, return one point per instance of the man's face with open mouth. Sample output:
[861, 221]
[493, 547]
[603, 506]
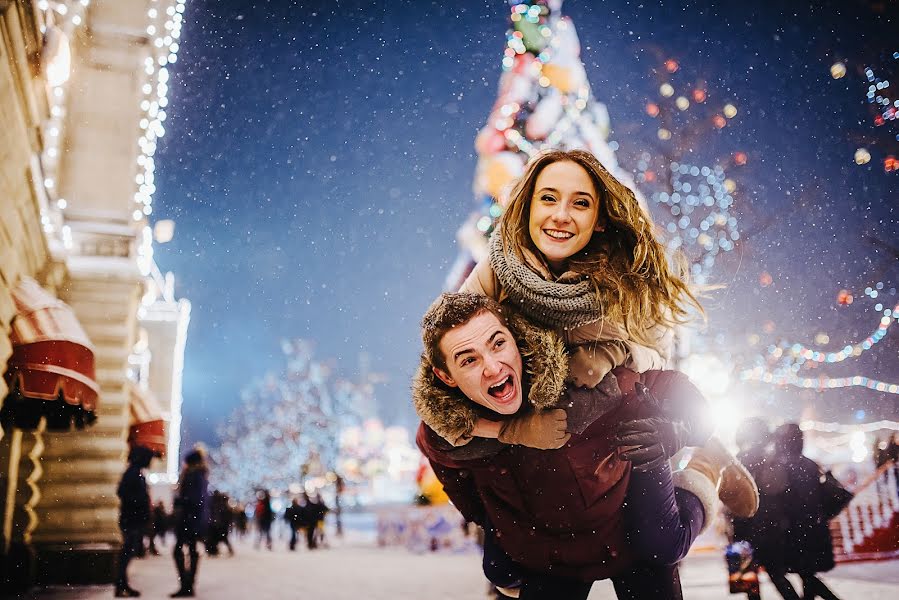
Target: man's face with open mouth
[483, 361]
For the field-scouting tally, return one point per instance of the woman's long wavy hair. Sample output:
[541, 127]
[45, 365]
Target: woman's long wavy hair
[637, 283]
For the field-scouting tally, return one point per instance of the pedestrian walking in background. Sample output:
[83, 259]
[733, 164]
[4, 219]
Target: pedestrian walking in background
[220, 518]
[264, 518]
[160, 523]
[191, 518]
[765, 530]
[294, 517]
[318, 511]
[134, 516]
[807, 544]
[240, 520]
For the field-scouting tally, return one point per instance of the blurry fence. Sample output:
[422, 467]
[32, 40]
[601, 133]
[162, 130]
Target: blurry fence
[868, 528]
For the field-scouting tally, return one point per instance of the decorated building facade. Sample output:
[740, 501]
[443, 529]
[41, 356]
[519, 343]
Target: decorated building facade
[83, 90]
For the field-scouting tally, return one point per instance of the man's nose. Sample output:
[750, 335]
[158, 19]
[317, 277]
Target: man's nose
[491, 366]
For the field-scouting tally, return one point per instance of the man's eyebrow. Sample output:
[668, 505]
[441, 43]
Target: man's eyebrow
[471, 350]
[462, 353]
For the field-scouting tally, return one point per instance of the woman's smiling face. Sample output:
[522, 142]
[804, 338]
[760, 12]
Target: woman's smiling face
[564, 212]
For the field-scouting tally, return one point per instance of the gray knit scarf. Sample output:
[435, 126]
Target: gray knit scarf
[549, 303]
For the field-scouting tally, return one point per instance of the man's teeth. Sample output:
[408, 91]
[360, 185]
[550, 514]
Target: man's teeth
[559, 235]
[500, 384]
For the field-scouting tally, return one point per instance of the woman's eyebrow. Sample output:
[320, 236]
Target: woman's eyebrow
[554, 190]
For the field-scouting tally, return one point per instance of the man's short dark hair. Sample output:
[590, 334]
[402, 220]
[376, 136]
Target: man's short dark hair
[451, 310]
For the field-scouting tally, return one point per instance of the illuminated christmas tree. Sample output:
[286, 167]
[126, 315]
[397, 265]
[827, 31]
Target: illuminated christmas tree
[544, 101]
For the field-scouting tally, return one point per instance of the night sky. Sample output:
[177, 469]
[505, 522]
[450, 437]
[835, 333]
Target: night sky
[319, 157]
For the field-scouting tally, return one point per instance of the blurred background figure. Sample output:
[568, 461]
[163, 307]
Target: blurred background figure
[294, 517]
[763, 531]
[160, 524]
[264, 518]
[807, 544]
[134, 515]
[319, 510]
[191, 518]
[240, 520]
[220, 519]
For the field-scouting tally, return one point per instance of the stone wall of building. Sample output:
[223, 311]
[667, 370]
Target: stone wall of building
[23, 108]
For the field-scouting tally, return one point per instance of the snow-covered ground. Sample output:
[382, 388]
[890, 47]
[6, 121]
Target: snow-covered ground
[354, 568]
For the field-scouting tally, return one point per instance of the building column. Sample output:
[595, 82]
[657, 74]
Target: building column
[77, 537]
[20, 453]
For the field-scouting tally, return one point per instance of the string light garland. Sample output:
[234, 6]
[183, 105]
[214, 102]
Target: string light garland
[694, 200]
[60, 23]
[880, 93]
[697, 213]
[844, 428]
[165, 19]
[794, 356]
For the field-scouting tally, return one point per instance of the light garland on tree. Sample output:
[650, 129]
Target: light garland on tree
[884, 107]
[288, 426]
[698, 218]
[695, 200]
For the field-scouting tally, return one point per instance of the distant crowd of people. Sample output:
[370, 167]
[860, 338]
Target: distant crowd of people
[199, 517]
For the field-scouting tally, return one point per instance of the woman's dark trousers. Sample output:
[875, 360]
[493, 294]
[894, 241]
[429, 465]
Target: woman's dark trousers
[187, 573]
[642, 582]
[132, 542]
[662, 521]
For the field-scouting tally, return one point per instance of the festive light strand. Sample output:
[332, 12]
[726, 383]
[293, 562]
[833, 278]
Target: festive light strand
[795, 356]
[61, 20]
[805, 353]
[818, 383]
[165, 29]
[844, 428]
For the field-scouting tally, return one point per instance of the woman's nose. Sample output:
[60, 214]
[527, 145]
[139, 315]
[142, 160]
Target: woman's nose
[561, 214]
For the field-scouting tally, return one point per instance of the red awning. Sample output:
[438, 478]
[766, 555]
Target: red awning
[147, 423]
[51, 370]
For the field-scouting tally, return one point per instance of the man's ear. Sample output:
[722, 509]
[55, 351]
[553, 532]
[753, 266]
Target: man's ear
[444, 377]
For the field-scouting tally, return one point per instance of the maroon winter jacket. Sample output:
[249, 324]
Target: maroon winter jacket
[557, 511]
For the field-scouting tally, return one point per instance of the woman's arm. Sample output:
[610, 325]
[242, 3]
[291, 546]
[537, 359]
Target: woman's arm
[482, 280]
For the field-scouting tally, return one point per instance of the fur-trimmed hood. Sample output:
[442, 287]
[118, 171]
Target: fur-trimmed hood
[545, 367]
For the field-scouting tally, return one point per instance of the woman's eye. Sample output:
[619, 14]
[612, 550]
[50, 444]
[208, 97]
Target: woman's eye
[584, 203]
[547, 198]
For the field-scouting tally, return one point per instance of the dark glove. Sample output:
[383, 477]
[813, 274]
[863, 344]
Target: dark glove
[649, 443]
[544, 430]
[586, 405]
